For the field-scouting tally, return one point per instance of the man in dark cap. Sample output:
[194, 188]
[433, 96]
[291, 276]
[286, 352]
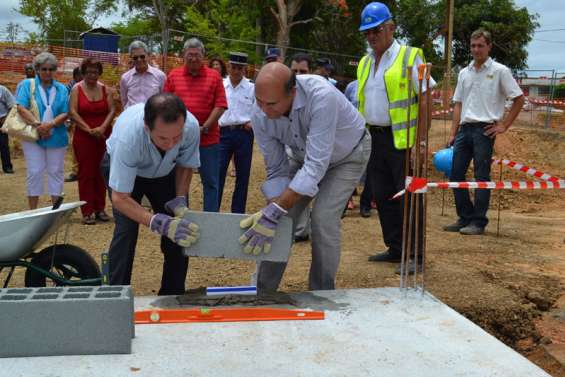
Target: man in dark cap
[236, 134]
[273, 55]
[325, 68]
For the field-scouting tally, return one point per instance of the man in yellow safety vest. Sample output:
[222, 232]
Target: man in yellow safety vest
[386, 104]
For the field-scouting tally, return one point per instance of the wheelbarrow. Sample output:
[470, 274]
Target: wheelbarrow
[21, 235]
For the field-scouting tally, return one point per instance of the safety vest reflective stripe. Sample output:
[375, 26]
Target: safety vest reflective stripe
[405, 60]
[402, 125]
[403, 102]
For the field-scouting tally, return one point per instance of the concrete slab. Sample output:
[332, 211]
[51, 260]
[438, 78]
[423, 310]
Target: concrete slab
[367, 332]
[220, 232]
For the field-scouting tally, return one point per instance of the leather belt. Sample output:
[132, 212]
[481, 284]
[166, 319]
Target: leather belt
[477, 124]
[235, 126]
[378, 128]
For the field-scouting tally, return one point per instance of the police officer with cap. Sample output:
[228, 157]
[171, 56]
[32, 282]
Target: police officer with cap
[236, 134]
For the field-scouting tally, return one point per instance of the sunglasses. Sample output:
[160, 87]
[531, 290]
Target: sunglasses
[134, 58]
[44, 69]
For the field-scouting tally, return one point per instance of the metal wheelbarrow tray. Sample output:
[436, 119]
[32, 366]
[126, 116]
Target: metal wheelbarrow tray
[22, 233]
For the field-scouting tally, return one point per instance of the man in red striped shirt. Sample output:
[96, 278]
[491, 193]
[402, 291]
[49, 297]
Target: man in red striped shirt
[202, 91]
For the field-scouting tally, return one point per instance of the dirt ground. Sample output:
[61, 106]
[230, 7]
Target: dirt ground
[511, 284]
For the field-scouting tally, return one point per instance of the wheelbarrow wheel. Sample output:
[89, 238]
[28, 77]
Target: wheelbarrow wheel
[68, 261]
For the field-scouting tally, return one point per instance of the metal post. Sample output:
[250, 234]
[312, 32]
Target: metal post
[551, 91]
[499, 200]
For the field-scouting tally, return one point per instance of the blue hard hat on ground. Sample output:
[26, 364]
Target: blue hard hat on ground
[443, 161]
[373, 15]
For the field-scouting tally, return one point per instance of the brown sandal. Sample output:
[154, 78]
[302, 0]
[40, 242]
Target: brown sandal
[103, 216]
[89, 219]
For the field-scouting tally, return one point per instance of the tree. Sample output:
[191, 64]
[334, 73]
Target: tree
[13, 29]
[55, 16]
[224, 19]
[136, 28]
[285, 13]
[512, 29]
[165, 14]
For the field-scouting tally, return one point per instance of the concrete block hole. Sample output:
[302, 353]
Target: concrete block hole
[108, 295]
[44, 297]
[80, 289]
[49, 290]
[13, 298]
[20, 291]
[76, 295]
[110, 289]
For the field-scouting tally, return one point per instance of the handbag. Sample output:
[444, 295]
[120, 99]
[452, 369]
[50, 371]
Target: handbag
[16, 126]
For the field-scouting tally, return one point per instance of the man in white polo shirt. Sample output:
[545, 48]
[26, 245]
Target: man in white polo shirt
[151, 153]
[478, 116]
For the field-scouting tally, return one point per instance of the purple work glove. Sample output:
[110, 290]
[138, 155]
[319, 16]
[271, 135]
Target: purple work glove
[177, 206]
[261, 230]
[180, 231]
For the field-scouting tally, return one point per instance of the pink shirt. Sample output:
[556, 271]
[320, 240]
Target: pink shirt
[137, 88]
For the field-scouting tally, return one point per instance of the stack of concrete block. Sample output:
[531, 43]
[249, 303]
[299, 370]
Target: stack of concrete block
[66, 321]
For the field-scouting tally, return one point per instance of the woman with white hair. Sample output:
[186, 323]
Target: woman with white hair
[47, 154]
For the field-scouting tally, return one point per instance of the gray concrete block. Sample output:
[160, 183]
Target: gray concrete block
[220, 232]
[66, 321]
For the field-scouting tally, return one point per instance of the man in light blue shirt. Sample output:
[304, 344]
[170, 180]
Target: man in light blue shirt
[152, 152]
[327, 137]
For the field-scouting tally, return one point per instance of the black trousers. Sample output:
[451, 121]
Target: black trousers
[5, 152]
[387, 177]
[122, 247]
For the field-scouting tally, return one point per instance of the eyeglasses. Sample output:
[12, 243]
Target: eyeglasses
[135, 57]
[45, 69]
[375, 30]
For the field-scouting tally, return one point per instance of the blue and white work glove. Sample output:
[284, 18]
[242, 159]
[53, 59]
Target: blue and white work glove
[261, 232]
[177, 206]
[180, 231]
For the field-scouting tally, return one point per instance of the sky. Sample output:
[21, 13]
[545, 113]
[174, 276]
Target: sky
[546, 51]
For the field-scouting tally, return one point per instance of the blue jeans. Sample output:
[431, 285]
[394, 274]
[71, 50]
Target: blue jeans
[239, 144]
[209, 175]
[472, 144]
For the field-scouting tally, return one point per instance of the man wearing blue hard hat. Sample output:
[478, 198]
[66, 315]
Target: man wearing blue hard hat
[386, 104]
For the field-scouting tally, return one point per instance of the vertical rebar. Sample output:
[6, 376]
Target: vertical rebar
[417, 171]
[424, 197]
[406, 193]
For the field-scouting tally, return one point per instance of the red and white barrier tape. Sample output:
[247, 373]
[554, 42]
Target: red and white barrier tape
[545, 102]
[526, 169]
[421, 185]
